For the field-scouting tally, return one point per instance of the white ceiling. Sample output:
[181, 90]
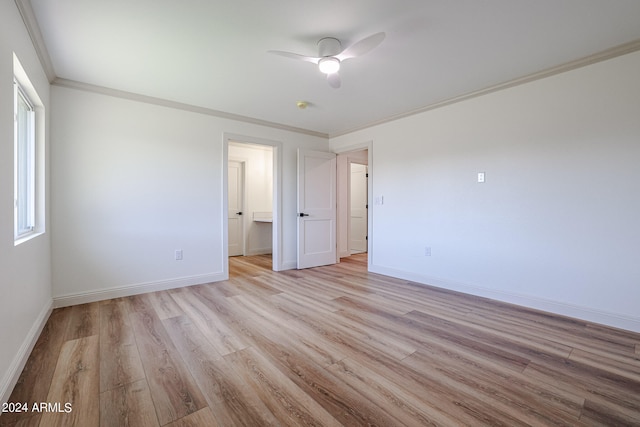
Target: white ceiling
[213, 53]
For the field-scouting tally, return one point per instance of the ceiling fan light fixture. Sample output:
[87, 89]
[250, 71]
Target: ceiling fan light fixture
[331, 55]
[329, 65]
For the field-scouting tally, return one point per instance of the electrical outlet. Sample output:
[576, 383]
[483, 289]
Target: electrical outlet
[427, 251]
[179, 255]
[480, 176]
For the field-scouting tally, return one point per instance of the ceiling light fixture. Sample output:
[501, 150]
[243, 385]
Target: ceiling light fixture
[331, 55]
[329, 65]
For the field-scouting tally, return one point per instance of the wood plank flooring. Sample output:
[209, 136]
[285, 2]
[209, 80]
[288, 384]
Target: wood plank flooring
[329, 346]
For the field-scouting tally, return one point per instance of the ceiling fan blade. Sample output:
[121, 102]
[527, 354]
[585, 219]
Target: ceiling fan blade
[295, 56]
[334, 80]
[361, 47]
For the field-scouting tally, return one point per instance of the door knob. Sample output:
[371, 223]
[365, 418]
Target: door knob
[303, 214]
[238, 213]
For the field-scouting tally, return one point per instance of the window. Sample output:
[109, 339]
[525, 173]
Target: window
[28, 158]
[24, 166]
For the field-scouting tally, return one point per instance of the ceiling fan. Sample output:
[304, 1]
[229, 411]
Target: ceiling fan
[331, 55]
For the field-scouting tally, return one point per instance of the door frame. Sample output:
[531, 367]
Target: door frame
[277, 196]
[365, 145]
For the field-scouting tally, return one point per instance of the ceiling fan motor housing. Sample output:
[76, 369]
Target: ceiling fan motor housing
[329, 46]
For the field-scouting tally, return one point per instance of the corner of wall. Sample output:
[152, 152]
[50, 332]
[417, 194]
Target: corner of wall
[12, 375]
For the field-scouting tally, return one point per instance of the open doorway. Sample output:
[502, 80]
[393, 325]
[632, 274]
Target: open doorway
[353, 202]
[251, 181]
[250, 194]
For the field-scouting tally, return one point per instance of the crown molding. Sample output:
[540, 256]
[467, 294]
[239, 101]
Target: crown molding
[72, 84]
[604, 55]
[31, 24]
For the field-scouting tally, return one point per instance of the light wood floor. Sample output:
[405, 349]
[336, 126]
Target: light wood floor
[326, 346]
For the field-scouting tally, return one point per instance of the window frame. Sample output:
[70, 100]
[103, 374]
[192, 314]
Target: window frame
[29, 158]
[24, 163]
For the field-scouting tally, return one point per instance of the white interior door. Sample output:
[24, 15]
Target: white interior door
[358, 211]
[236, 206]
[316, 208]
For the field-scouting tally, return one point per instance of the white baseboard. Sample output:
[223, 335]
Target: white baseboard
[140, 288]
[259, 251]
[584, 313]
[17, 365]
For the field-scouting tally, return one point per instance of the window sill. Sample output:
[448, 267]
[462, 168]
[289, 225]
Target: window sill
[27, 237]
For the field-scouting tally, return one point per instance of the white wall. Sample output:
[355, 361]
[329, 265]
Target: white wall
[555, 225]
[132, 182]
[258, 194]
[25, 270]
